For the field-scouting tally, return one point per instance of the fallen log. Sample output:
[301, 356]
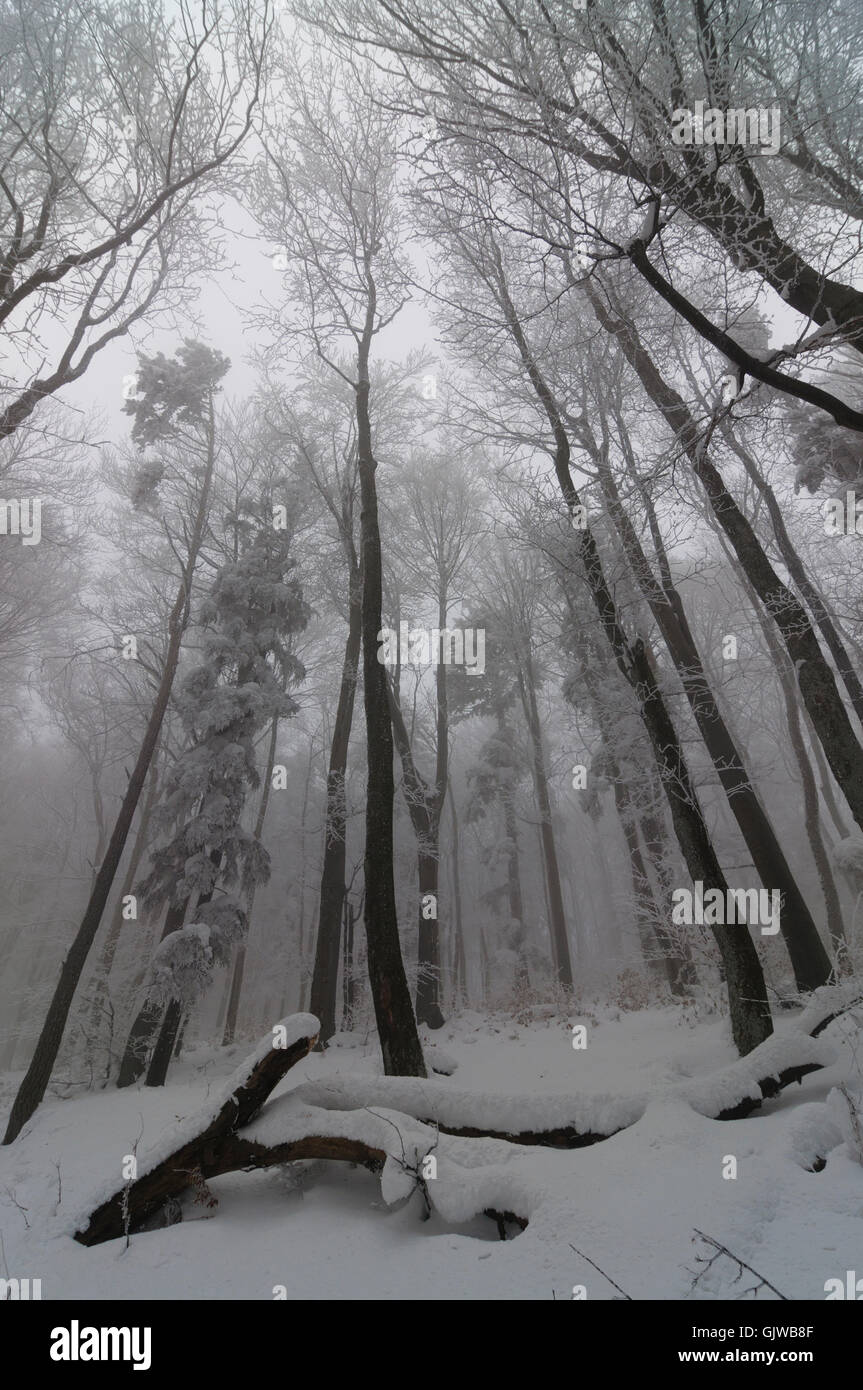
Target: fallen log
[199, 1148]
[244, 1131]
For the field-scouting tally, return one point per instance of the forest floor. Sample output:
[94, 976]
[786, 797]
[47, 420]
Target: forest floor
[631, 1203]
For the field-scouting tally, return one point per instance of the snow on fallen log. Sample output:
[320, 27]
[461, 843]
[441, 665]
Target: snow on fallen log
[826, 1003]
[739, 1088]
[471, 1178]
[397, 1123]
[556, 1121]
[183, 1154]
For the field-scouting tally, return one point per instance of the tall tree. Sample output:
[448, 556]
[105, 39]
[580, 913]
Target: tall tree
[175, 399]
[327, 194]
[254, 607]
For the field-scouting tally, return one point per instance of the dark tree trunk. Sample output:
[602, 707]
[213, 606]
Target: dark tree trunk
[811, 812]
[513, 878]
[397, 1030]
[809, 959]
[815, 678]
[348, 979]
[102, 974]
[38, 1074]
[459, 964]
[239, 965]
[326, 969]
[747, 996]
[428, 944]
[163, 1051]
[557, 915]
[797, 570]
[146, 1023]
[424, 807]
[173, 1016]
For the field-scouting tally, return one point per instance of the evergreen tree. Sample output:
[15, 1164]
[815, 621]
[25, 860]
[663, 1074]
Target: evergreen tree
[254, 609]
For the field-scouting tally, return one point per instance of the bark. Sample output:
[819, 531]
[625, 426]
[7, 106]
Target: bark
[397, 1030]
[809, 959]
[807, 589]
[240, 957]
[513, 873]
[682, 974]
[326, 967]
[164, 1049]
[842, 827]
[350, 915]
[811, 814]
[173, 1015]
[128, 1208]
[38, 1074]
[146, 1022]
[815, 678]
[747, 996]
[459, 964]
[102, 973]
[425, 808]
[557, 915]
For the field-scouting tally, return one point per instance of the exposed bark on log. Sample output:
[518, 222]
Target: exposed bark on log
[202, 1154]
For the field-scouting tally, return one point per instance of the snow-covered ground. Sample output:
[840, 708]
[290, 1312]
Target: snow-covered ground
[631, 1203]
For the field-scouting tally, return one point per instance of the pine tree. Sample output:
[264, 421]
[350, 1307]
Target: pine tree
[210, 859]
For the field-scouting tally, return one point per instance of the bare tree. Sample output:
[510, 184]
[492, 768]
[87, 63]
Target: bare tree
[327, 195]
[175, 397]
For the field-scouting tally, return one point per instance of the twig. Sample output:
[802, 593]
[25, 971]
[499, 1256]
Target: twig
[723, 1250]
[602, 1272]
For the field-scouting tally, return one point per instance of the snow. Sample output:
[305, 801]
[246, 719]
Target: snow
[630, 1202]
[507, 1114]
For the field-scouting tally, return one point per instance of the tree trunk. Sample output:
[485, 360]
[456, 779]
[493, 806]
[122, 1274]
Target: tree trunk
[173, 1016]
[557, 916]
[424, 809]
[240, 956]
[102, 973]
[513, 874]
[397, 1030]
[797, 570]
[682, 974]
[38, 1074]
[459, 964]
[811, 813]
[842, 827]
[163, 1051]
[146, 1022]
[326, 969]
[809, 959]
[815, 678]
[747, 996]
